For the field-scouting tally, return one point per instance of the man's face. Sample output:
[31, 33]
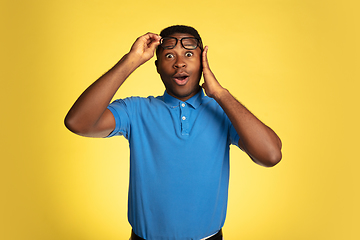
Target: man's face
[180, 69]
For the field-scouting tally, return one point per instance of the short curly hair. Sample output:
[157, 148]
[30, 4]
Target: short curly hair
[179, 29]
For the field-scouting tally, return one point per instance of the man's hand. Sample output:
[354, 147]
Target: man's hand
[259, 141]
[211, 86]
[144, 47]
[89, 115]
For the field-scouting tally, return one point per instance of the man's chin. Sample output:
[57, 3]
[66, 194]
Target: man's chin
[183, 95]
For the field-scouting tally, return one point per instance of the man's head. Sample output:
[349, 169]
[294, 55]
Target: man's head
[179, 61]
[166, 32]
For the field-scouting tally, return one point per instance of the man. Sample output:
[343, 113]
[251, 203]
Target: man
[179, 142]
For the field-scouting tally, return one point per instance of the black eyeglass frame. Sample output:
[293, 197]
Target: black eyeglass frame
[199, 43]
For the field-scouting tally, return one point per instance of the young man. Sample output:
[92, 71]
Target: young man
[179, 142]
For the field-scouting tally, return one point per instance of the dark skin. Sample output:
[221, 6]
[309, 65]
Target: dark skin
[180, 71]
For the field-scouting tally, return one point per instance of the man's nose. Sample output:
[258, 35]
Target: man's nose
[180, 63]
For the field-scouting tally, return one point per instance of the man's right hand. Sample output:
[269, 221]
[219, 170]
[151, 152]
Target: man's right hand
[89, 115]
[144, 47]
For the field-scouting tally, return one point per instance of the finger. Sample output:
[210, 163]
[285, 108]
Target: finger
[153, 40]
[149, 38]
[152, 37]
[149, 41]
[204, 57]
[152, 46]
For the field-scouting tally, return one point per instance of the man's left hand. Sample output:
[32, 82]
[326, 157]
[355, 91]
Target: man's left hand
[211, 85]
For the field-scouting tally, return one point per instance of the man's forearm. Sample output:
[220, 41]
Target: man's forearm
[89, 115]
[258, 140]
[92, 103]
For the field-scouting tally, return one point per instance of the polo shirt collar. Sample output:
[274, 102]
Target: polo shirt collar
[194, 101]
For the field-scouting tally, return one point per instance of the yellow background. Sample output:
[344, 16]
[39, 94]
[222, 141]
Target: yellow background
[295, 64]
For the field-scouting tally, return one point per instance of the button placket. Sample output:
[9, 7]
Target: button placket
[184, 120]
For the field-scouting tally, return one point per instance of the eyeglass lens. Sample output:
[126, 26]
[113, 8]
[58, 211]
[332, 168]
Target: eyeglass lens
[187, 43]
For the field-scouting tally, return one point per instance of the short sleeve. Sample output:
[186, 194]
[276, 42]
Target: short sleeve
[120, 110]
[233, 135]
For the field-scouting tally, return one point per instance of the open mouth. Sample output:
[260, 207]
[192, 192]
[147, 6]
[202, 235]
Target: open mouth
[181, 78]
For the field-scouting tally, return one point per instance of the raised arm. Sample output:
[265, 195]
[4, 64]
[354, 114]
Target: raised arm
[258, 140]
[89, 115]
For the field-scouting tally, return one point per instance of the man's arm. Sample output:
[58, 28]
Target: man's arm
[258, 140]
[89, 115]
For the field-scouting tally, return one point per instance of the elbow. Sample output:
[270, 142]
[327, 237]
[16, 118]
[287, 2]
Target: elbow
[73, 126]
[69, 124]
[273, 159]
[274, 155]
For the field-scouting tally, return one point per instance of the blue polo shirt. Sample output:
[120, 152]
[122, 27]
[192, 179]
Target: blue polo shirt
[179, 164]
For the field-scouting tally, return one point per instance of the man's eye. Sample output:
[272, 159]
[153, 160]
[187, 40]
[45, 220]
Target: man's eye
[169, 55]
[189, 54]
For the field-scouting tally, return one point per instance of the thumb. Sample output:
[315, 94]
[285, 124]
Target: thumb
[204, 86]
[154, 41]
[154, 44]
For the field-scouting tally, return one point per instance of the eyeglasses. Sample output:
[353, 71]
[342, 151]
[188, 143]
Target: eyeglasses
[189, 43]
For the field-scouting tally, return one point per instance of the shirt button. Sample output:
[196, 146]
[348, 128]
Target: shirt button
[183, 104]
[183, 118]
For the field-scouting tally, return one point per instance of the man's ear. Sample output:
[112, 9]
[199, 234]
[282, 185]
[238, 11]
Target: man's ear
[156, 64]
